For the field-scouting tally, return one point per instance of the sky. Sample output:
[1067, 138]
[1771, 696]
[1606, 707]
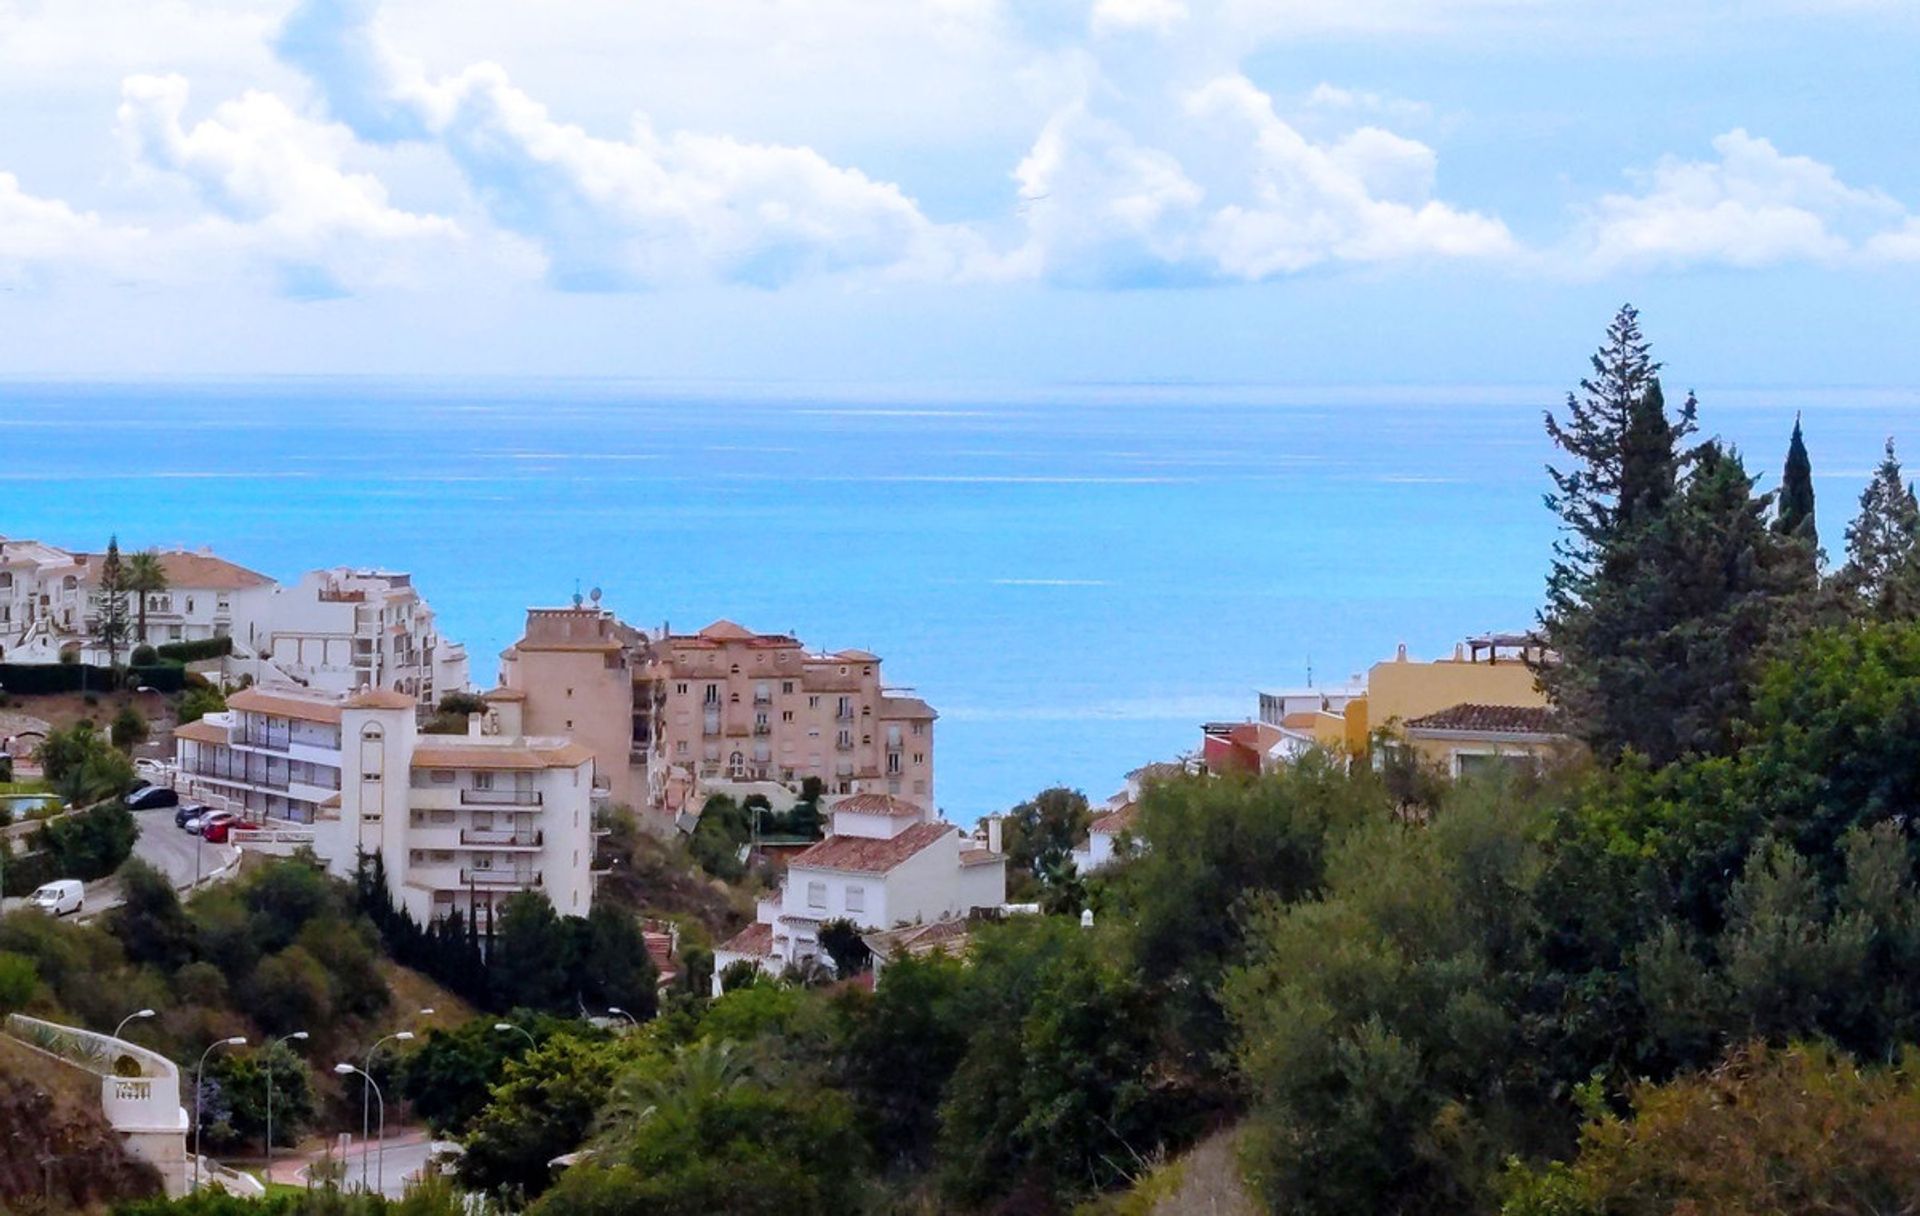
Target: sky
[1389, 192]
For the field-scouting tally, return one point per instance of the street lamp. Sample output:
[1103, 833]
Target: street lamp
[346, 1070]
[506, 1027]
[236, 1041]
[403, 1036]
[287, 1038]
[142, 1013]
[623, 1013]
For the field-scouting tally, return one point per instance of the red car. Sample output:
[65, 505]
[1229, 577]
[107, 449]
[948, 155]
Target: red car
[214, 828]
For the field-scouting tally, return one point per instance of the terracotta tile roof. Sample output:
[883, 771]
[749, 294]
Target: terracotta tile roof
[951, 936]
[501, 756]
[380, 698]
[756, 939]
[1537, 720]
[285, 704]
[865, 855]
[1116, 821]
[201, 731]
[503, 694]
[906, 707]
[726, 631]
[189, 571]
[879, 804]
[1157, 771]
[858, 656]
[980, 857]
[660, 950]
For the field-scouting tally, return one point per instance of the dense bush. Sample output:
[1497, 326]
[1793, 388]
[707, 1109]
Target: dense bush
[196, 651]
[88, 844]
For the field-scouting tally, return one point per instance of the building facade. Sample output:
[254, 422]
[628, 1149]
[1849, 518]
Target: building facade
[342, 629]
[460, 822]
[722, 709]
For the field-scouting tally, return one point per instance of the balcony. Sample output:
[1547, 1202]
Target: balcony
[843, 745]
[481, 838]
[473, 797]
[762, 728]
[844, 713]
[500, 878]
[763, 698]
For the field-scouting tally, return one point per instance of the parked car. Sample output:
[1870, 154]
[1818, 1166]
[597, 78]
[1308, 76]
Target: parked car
[214, 827]
[152, 798]
[137, 784]
[59, 897]
[189, 811]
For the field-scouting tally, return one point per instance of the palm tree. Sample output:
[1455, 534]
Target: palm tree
[146, 575]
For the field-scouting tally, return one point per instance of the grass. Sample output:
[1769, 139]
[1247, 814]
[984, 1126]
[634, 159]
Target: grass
[412, 990]
[24, 787]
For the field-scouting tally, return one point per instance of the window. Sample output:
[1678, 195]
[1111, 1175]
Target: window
[483, 781]
[680, 748]
[786, 715]
[919, 757]
[713, 694]
[919, 728]
[443, 776]
[786, 687]
[813, 702]
[856, 899]
[817, 895]
[681, 689]
[893, 762]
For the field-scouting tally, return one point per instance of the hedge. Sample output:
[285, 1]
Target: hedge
[194, 652]
[39, 679]
[27, 872]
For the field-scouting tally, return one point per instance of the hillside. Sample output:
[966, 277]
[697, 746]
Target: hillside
[51, 1110]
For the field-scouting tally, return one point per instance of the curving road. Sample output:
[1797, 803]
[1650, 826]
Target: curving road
[179, 855]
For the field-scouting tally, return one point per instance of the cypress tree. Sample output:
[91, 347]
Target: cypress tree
[1882, 574]
[1795, 516]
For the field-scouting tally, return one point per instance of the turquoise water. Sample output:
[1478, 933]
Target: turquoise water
[1075, 577]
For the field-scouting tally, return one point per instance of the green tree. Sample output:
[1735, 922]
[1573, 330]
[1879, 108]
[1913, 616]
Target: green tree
[145, 575]
[612, 965]
[82, 766]
[242, 1081]
[1795, 514]
[1804, 1129]
[1054, 1092]
[109, 623]
[1040, 834]
[197, 703]
[91, 844]
[532, 964]
[151, 924]
[1882, 571]
[129, 728]
[703, 1134]
[723, 830]
[545, 1105]
[448, 1078]
[844, 944]
[19, 980]
[289, 991]
[900, 1048]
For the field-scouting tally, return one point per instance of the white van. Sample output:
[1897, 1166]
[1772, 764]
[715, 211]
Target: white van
[59, 897]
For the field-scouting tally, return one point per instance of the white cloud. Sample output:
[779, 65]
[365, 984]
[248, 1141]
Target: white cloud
[649, 209]
[1256, 199]
[34, 230]
[1752, 206]
[1161, 16]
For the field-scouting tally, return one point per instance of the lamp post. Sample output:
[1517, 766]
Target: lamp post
[236, 1041]
[134, 1016]
[623, 1013]
[346, 1070]
[401, 1036]
[509, 1027]
[286, 1038]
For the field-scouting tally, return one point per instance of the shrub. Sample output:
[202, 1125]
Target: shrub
[197, 703]
[197, 651]
[143, 656]
[19, 980]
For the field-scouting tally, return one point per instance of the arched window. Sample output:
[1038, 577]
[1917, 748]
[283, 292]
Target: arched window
[737, 764]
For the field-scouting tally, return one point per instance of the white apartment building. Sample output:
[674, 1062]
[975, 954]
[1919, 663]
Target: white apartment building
[49, 601]
[460, 821]
[342, 629]
[885, 863]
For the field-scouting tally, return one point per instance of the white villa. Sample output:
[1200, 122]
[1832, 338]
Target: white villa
[885, 863]
[47, 605]
[460, 821]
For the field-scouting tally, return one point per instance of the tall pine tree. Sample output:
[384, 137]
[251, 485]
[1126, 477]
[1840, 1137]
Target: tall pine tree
[1625, 468]
[1882, 574]
[110, 617]
[1793, 519]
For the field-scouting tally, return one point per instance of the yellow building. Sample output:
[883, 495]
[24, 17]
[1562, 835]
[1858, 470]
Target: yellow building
[1482, 703]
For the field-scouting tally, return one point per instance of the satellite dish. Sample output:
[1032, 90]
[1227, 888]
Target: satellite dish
[576, 599]
[594, 595]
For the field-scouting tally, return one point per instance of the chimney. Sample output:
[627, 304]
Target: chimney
[993, 834]
[1400, 655]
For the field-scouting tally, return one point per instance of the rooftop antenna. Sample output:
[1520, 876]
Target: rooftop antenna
[1309, 671]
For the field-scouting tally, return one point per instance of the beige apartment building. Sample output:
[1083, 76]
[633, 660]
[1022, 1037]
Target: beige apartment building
[671, 716]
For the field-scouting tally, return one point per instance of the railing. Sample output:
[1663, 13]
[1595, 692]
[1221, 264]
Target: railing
[500, 878]
[503, 840]
[762, 728]
[139, 1089]
[243, 777]
[843, 745]
[844, 713]
[277, 741]
[473, 797]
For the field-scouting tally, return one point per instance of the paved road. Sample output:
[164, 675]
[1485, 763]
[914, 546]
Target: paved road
[179, 855]
[389, 1170]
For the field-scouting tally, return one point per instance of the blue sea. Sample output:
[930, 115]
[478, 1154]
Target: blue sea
[1075, 576]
